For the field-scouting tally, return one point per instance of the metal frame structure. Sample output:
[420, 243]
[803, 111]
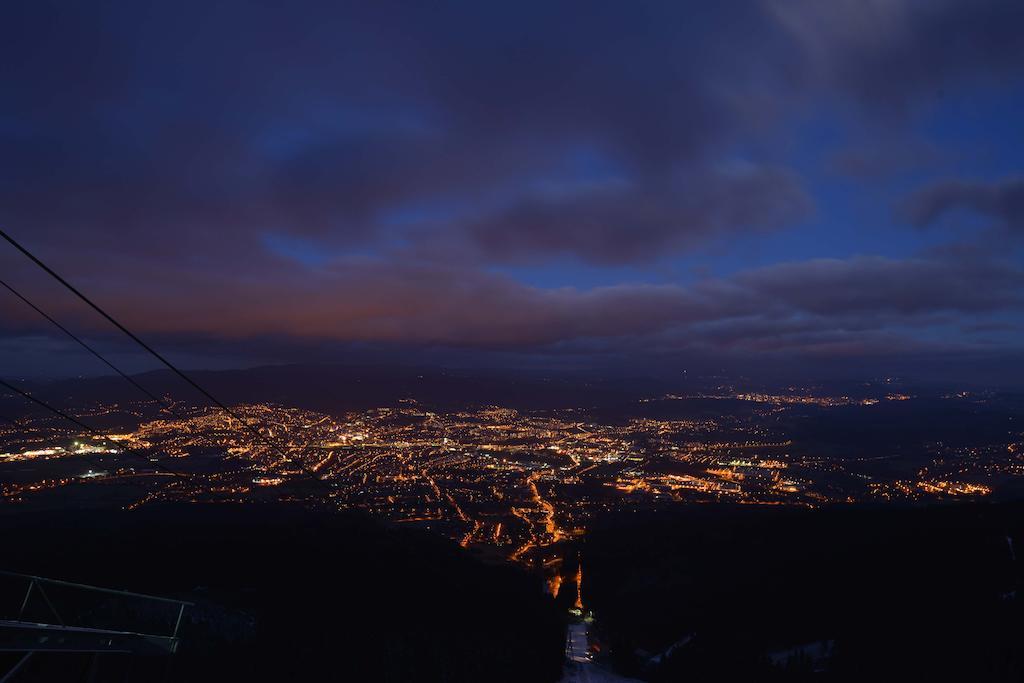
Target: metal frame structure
[34, 638]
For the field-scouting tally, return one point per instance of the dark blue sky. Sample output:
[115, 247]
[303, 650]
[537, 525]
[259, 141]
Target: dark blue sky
[664, 182]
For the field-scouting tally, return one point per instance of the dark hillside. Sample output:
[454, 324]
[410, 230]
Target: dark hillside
[901, 593]
[292, 595]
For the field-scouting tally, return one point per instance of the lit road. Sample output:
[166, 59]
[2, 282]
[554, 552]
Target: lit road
[579, 668]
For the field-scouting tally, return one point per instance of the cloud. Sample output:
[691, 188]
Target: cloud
[206, 125]
[782, 306]
[887, 54]
[1002, 201]
[885, 158]
[622, 224]
[330, 171]
[880, 285]
[163, 130]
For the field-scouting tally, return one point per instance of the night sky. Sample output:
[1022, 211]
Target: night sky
[677, 184]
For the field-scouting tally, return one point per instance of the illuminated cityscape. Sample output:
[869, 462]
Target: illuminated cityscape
[507, 483]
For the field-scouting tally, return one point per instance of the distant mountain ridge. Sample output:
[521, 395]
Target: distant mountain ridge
[338, 388]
